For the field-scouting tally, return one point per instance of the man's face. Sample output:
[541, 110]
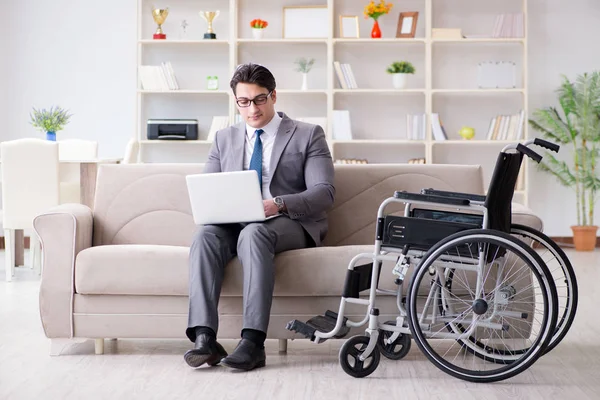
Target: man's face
[257, 116]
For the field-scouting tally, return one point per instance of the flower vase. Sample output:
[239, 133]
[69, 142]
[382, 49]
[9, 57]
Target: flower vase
[376, 32]
[51, 136]
[257, 33]
[304, 81]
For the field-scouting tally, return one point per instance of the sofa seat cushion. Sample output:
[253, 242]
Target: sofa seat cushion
[163, 270]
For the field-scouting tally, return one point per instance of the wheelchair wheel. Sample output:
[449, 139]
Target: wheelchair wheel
[395, 350]
[562, 273]
[350, 361]
[496, 316]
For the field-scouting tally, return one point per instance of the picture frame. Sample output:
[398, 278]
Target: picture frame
[407, 24]
[296, 19]
[349, 26]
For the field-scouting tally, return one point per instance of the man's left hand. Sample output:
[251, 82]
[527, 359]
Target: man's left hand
[270, 208]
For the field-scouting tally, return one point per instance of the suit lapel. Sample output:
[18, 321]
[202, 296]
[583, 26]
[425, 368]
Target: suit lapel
[284, 134]
[238, 141]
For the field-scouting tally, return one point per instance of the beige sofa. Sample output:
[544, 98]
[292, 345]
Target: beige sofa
[121, 269]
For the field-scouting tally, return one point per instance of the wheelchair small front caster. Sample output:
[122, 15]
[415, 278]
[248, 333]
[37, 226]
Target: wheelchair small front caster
[395, 350]
[350, 361]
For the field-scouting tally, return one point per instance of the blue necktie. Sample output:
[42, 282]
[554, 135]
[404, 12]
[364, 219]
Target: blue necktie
[256, 160]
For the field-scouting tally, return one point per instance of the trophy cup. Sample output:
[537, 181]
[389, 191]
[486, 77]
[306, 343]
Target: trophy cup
[209, 16]
[159, 16]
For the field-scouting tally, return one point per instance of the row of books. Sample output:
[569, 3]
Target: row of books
[510, 25]
[350, 161]
[158, 77]
[507, 127]
[345, 75]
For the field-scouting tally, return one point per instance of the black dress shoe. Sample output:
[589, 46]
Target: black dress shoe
[246, 356]
[206, 350]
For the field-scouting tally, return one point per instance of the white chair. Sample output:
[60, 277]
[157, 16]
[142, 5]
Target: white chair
[131, 152]
[73, 150]
[29, 187]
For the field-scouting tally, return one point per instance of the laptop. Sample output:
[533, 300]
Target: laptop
[226, 197]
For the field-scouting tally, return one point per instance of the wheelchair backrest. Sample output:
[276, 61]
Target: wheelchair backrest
[501, 190]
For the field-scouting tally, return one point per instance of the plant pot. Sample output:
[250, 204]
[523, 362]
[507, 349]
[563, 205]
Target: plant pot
[51, 136]
[257, 33]
[399, 80]
[584, 237]
[304, 81]
[376, 32]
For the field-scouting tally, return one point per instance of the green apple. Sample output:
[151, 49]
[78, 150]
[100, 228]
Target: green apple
[467, 132]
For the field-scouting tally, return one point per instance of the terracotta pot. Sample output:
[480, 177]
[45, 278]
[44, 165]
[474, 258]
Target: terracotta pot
[584, 237]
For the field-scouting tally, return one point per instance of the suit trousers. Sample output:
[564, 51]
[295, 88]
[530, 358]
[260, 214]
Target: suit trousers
[255, 244]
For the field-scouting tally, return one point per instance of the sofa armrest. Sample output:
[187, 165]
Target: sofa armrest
[64, 231]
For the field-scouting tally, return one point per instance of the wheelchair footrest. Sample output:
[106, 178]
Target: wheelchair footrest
[322, 323]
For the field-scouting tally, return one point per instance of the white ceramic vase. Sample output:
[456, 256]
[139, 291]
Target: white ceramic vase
[399, 81]
[257, 33]
[304, 81]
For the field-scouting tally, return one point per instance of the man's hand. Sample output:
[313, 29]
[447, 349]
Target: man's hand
[270, 208]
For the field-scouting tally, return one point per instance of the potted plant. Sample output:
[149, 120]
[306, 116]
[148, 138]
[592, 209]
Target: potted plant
[375, 11]
[399, 71]
[258, 25]
[304, 66]
[577, 129]
[50, 121]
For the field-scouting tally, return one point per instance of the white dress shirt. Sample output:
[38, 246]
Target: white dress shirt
[268, 138]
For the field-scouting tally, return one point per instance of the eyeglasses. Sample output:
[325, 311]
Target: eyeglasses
[258, 100]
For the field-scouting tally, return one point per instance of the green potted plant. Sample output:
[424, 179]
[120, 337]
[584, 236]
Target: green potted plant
[578, 132]
[399, 71]
[50, 121]
[304, 65]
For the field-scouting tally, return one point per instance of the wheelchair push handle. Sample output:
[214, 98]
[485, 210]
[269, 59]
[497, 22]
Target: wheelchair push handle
[546, 144]
[529, 153]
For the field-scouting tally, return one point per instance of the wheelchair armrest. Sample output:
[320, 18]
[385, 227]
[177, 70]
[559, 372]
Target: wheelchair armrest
[470, 196]
[431, 198]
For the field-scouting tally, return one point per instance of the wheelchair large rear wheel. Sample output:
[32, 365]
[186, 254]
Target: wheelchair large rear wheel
[495, 318]
[562, 273]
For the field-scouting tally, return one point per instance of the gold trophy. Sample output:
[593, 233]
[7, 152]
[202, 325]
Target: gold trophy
[209, 16]
[159, 16]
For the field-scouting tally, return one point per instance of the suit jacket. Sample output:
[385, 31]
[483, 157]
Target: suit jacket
[301, 169]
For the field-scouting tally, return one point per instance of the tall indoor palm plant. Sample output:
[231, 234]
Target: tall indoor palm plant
[579, 129]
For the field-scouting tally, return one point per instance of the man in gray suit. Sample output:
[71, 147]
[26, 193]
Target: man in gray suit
[295, 173]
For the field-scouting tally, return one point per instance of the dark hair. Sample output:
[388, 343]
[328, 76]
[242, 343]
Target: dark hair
[253, 73]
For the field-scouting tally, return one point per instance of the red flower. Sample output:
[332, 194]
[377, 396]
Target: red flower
[259, 24]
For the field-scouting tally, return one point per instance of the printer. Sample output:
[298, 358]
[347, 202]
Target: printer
[173, 129]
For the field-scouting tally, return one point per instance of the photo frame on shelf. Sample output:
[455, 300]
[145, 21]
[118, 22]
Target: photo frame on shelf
[297, 19]
[349, 26]
[407, 24]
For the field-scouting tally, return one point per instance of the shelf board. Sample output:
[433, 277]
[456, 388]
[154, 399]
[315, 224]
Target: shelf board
[382, 40]
[168, 42]
[479, 40]
[474, 142]
[377, 141]
[295, 91]
[222, 92]
[323, 41]
[476, 91]
[196, 142]
[391, 91]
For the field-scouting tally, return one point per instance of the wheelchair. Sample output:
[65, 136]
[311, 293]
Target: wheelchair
[486, 298]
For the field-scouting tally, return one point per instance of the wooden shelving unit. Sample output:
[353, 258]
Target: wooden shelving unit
[445, 81]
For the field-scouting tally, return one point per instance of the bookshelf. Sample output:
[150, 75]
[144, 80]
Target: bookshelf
[445, 81]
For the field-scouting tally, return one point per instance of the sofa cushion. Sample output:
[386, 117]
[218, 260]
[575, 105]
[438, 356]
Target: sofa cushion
[163, 270]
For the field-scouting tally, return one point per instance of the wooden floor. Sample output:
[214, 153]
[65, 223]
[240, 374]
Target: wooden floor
[156, 370]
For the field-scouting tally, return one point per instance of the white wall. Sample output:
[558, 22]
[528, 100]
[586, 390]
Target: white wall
[562, 40]
[82, 56]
